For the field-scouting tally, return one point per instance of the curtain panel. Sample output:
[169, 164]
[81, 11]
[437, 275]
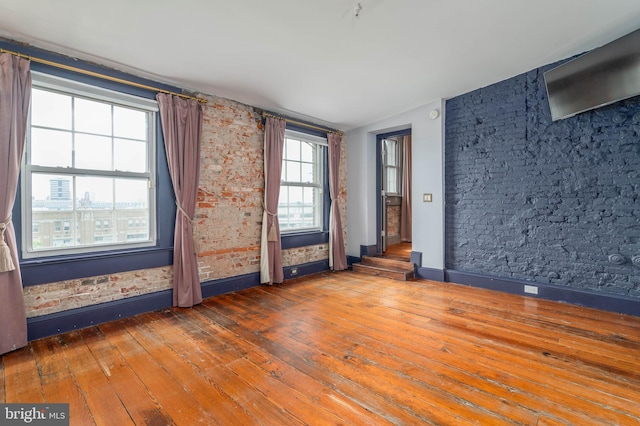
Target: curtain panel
[270, 245]
[337, 253]
[15, 95]
[405, 208]
[182, 126]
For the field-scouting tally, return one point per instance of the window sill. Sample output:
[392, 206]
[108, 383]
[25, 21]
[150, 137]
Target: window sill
[69, 267]
[301, 239]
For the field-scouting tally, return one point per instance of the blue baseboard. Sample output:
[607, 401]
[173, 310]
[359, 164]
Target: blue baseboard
[306, 269]
[353, 259]
[430, 274]
[75, 319]
[591, 299]
[371, 250]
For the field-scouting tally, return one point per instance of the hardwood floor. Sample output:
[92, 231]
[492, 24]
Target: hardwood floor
[400, 251]
[343, 348]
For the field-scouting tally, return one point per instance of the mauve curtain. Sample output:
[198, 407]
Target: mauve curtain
[270, 246]
[405, 208]
[337, 254]
[15, 95]
[181, 127]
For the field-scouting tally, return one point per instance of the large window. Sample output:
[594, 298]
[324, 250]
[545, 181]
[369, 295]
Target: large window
[89, 174]
[301, 203]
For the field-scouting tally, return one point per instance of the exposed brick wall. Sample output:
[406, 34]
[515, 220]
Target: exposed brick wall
[393, 224]
[550, 202]
[228, 216]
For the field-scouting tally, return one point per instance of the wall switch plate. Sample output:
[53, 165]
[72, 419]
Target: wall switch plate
[531, 289]
[427, 198]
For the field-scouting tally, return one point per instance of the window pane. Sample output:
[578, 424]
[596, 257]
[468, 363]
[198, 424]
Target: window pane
[307, 152]
[132, 206]
[130, 156]
[292, 150]
[295, 195]
[92, 117]
[51, 192]
[392, 181]
[94, 193]
[132, 193]
[292, 171]
[284, 195]
[307, 196]
[50, 148]
[392, 148]
[129, 123]
[51, 211]
[93, 152]
[49, 109]
[307, 173]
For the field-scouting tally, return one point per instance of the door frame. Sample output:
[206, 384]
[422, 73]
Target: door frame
[380, 203]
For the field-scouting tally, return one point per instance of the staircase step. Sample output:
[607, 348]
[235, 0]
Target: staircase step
[389, 268]
[382, 272]
[384, 262]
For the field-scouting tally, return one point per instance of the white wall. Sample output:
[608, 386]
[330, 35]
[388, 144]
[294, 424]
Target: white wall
[428, 177]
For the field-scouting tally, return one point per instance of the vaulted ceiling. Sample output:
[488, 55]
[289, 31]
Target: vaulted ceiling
[315, 59]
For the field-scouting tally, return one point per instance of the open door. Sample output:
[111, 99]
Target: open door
[394, 190]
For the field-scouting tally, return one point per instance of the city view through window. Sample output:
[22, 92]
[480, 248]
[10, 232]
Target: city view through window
[88, 173]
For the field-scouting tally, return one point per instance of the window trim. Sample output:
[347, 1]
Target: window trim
[397, 167]
[67, 267]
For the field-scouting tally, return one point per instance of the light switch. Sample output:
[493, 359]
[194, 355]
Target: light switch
[427, 198]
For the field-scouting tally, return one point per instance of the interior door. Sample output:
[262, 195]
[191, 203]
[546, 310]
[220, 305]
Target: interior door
[383, 198]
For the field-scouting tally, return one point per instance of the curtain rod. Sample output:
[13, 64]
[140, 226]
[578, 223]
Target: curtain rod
[303, 124]
[101, 76]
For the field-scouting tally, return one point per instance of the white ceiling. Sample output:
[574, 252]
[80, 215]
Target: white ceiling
[313, 59]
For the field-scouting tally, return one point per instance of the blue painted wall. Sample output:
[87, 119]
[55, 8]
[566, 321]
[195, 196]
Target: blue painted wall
[535, 200]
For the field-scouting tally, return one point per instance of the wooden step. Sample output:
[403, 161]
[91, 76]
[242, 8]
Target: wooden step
[384, 262]
[382, 267]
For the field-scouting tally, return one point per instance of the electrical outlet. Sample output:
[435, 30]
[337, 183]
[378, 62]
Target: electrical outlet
[294, 271]
[531, 289]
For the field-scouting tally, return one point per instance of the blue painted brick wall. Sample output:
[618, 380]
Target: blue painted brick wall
[549, 202]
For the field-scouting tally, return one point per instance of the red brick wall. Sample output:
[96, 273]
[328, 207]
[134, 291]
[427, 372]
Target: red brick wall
[228, 216]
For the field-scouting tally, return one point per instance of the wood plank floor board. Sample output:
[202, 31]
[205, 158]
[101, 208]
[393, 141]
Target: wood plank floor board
[274, 367]
[58, 383]
[523, 387]
[184, 359]
[423, 368]
[103, 402]
[344, 345]
[296, 405]
[343, 348]
[566, 394]
[165, 388]
[20, 368]
[131, 390]
[354, 343]
[465, 323]
[296, 357]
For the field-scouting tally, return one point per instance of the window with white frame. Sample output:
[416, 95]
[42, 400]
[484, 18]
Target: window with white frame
[89, 169]
[301, 202]
[391, 166]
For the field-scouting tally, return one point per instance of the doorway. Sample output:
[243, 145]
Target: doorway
[393, 179]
